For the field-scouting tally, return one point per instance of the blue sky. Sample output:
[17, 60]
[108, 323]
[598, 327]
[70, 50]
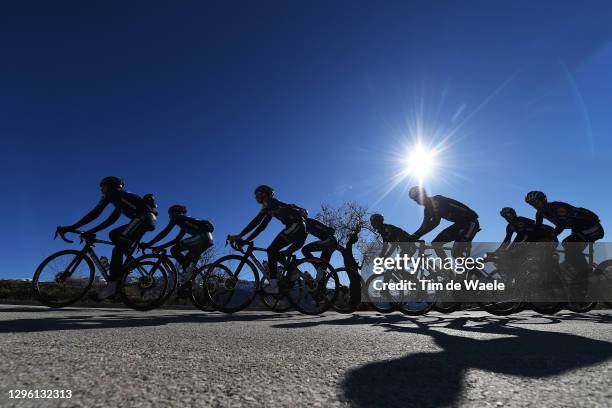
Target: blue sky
[199, 102]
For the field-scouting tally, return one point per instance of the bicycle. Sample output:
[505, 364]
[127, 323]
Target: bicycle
[186, 285]
[64, 277]
[527, 283]
[561, 285]
[232, 282]
[405, 290]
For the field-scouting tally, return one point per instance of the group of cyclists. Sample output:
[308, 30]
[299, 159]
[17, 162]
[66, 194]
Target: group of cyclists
[195, 235]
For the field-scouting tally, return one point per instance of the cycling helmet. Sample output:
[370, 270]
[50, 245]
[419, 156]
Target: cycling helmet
[377, 219]
[150, 200]
[264, 189]
[177, 209]
[416, 192]
[113, 182]
[534, 196]
[507, 212]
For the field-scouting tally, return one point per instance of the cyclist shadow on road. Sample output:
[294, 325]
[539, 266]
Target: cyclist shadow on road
[434, 379]
[118, 320]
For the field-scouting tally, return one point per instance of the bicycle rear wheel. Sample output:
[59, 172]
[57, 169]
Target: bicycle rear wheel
[144, 284]
[547, 308]
[197, 294]
[581, 307]
[173, 281]
[63, 278]
[276, 303]
[231, 283]
[308, 295]
[378, 297]
[501, 308]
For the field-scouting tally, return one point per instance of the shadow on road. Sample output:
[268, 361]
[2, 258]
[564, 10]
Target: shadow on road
[118, 320]
[435, 379]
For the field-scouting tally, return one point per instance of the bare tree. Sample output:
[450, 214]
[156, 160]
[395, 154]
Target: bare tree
[207, 256]
[347, 219]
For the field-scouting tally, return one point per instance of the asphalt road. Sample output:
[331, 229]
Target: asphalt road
[117, 357]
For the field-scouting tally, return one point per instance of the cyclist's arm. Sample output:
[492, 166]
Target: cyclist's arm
[254, 222]
[558, 229]
[175, 241]
[506, 242]
[539, 219]
[162, 234]
[262, 226]
[430, 221]
[108, 222]
[92, 215]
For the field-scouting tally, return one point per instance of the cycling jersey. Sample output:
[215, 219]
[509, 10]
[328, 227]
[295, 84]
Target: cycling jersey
[285, 213]
[318, 229]
[565, 216]
[438, 207]
[527, 230]
[191, 225]
[126, 203]
[391, 233]
[187, 225]
[449, 209]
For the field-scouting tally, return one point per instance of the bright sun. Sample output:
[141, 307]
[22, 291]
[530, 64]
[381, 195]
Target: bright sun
[421, 162]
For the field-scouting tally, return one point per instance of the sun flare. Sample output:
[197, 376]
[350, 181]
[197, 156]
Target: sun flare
[421, 162]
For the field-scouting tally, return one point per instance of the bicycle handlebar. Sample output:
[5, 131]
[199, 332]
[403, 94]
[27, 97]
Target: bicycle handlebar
[238, 244]
[62, 235]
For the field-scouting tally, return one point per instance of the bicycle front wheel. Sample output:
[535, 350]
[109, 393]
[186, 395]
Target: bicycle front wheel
[231, 283]
[144, 284]
[197, 294]
[63, 278]
[311, 286]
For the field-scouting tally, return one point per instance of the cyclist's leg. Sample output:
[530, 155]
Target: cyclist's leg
[463, 240]
[308, 249]
[177, 252]
[123, 238]
[445, 236]
[329, 246]
[278, 243]
[118, 238]
[195, 246]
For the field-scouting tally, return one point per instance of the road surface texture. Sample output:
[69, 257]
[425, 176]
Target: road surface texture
[123, 358]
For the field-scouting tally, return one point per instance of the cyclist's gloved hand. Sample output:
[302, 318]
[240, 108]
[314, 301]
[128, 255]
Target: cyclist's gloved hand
[63, 230]
[234, 238]
[88, 236]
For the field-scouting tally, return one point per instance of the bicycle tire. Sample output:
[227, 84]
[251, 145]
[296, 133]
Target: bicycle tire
[276, 303]
[501, 308]
[149, 305]
[447, 307]
[212, 285]
[35, 279]
[547, 308]
[387, 305]
[197, 294]
[300, 285]
[581, 307]
[172, 281]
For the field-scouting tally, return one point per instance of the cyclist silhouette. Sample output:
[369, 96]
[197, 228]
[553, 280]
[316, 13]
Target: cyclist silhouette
[461, 232]
[141, 213]
[292, 236]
